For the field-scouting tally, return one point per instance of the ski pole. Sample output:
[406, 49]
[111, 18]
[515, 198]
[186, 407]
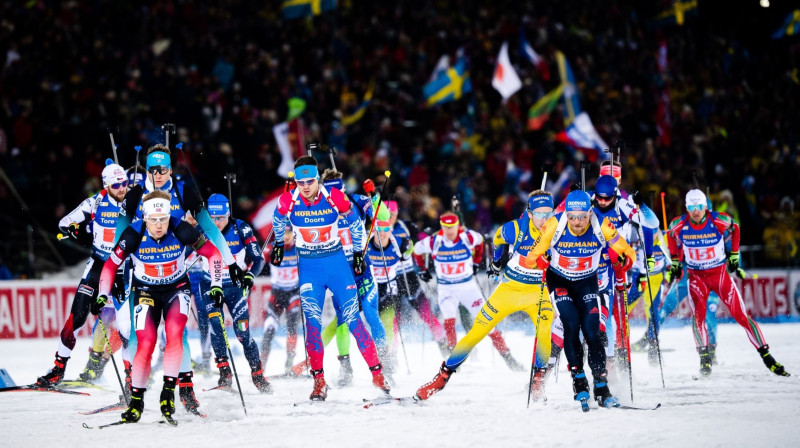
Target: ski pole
[113, 145]
[230, 357]
[113, 361]
[272, 230]
[535, 340]
[137, 148]
[653, 317]
[626, 336]
[369, 188]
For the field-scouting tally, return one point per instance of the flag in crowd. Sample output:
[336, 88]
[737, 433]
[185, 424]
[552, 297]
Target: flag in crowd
[582, 136]
[299, 9]
[677, 13]
[505, 80]
[362, 108]
[449, 85]
[540, 112]
[262, 216]
[538, 62]
[290, 138]
[790, 27]
[572, 104]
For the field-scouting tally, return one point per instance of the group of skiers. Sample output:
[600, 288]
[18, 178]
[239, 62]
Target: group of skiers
[576, 269]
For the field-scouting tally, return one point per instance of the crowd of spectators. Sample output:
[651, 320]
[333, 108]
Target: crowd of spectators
[223, 72]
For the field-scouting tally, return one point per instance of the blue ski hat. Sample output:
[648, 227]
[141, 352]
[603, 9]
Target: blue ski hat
[578, 201]
[218, 205]
[540, 200]
[606, 186]
[334, 183]
[158, 158]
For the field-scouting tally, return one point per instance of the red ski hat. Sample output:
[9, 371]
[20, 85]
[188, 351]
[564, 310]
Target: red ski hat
[448, 220]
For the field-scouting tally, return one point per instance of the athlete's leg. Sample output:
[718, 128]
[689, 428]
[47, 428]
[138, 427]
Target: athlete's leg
[312, 295]
[240, 311]
[146, 317]
[542, 318]
[698, 294]
[729, 294]
[176, 313]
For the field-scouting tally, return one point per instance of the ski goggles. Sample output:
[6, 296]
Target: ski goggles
[695, 207]
[384, 229]
[119, 185]
[158, 169]
[542, 215]
[601, 198]
[577, 216]
[157, 219]
[305, 182]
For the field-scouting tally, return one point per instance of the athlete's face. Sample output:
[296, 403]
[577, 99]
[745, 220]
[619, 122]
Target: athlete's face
[220, 221]
[540, 215]
[157, 225]
[578, 221]
[450, 232]
[160, 176]
[118, 193]
[383, 234]
[308, 188]
[697, 213]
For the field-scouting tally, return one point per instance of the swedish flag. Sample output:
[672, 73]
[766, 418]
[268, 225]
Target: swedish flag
[790, 27]
[678, 13]
[298, 9]
[362, 108]
[572, 104]
[449, 86]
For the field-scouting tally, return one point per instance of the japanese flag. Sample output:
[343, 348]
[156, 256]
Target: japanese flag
[505, 78]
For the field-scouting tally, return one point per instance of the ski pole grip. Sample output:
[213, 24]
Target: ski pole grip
[369, 186]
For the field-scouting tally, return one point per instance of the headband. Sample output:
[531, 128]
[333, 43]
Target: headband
[156, 206]
[540, 200]
[448, 220]
[306, 172]
[158, 158]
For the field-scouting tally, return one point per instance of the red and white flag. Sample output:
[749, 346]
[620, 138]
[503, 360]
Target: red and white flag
[506, 81]
[290, 136]
[262, 217]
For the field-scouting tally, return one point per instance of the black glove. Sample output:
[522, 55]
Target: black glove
[237, 275]
[248, 281]
[425, 276]
[494, 270]
[73, 230]
[575, 187]
[733, 262]
[359, 266]
[276, 256]
[475, 267]
[638, 198]
[118, 290]
[676, 271]
[98, 304]
[216, 296]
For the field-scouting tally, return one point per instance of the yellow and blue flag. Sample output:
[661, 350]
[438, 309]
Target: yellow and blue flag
[677, 13]
[790, 27]
[362, 108]
[450, 85]
[298, 9]
[572, 104]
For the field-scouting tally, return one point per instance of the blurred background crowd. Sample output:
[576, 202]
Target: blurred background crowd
[224, 72]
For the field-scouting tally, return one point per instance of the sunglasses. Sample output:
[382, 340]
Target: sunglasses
[542, 215]
[119, 185]
[577, 216]
[158, 170]
[695, 208]
[305, 183]
[161, 220]
[604, 198]
[219, 218]
[384, 229]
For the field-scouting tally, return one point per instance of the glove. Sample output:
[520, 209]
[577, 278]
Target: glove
[359, 266]
[494, 270]
[622, 265]
[425, 276]
[237, 275]
[276, 256]
[651, 263]
[638, 198]
[248, 281]
[733, 262]
[543, 262]
[98, 304]
[676, 271]
[575, 187]
[74, 230]
[118, 291]
[475, 267]
[216, 296]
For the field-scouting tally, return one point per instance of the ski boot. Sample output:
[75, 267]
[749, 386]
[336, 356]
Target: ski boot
[436, 384]
[135, 408]
[705, 361]
[602, 395]
[261, 382]
[345, 371]
[580, 385]
[167, 400]
[641, 345]
[511, 362]
[186, 392]
[94, 367]
[55, 375]
[379, 381]
[225, 374]
[203, 367]
[773, 366]
[320, 392]
[712, 353]
[537, 384]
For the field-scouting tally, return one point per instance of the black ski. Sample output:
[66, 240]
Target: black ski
[401, 401]
[636, 408]
[111, 407]
[36, 388]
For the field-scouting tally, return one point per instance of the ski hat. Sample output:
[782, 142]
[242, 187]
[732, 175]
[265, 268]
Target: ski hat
[113, 174]
[218, 205]
[448, 220]
[540, 200]
[334, 183]
[578, 201]
[696, 197]
[615, 171]
[606, 186]
[156, 206]
[306, 172]
[158, 158]
[391, 205]
[383, 226]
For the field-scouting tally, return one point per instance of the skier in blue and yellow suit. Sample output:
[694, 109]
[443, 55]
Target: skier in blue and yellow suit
[521, 289]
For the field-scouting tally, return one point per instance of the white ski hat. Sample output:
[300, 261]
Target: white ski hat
[696, 197]
[113, 174]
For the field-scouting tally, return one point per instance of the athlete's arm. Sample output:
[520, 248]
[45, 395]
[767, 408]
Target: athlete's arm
[504, 236]
[189, 236]
[128, 243]
[616, 242]
[724, 222]
[82, 212]
[421, 248]
[253, 256]
[674, 238]
[280, 217]
[543, 241]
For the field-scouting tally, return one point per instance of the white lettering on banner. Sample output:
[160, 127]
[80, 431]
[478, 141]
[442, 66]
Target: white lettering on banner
[7, 330]
[51, 321]
[26, 313]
